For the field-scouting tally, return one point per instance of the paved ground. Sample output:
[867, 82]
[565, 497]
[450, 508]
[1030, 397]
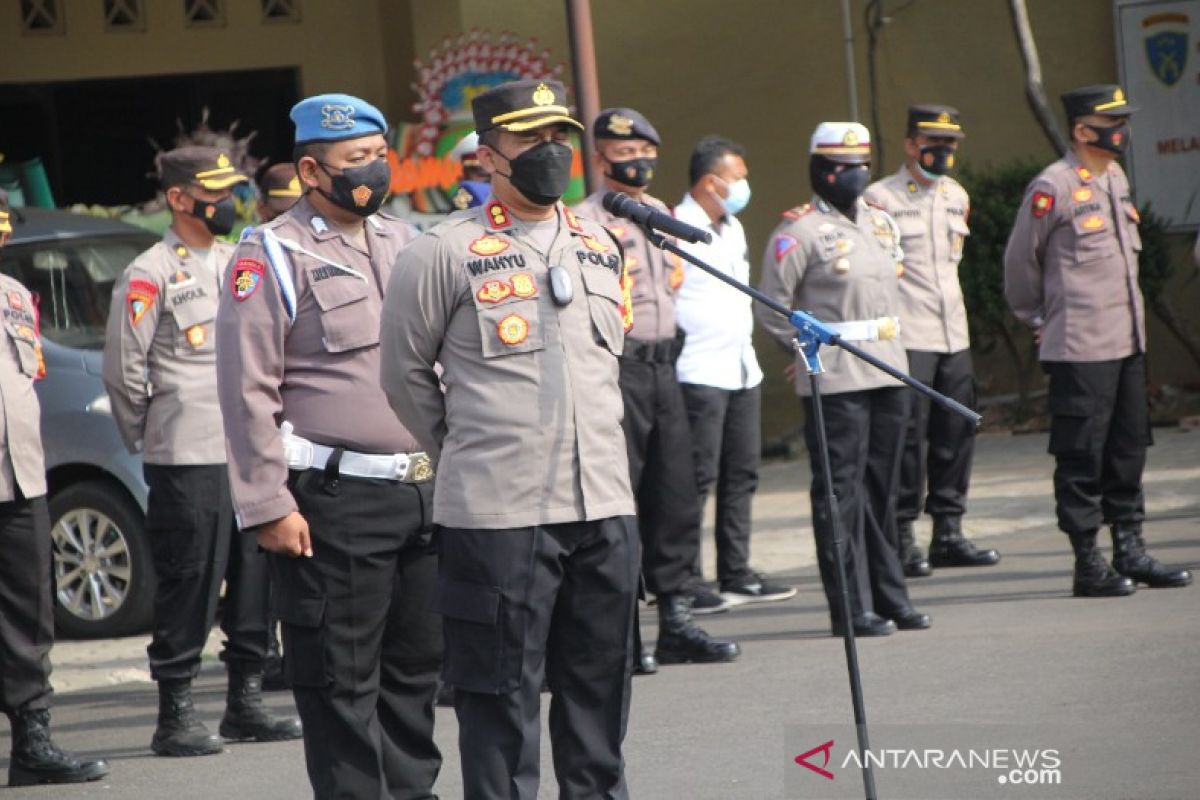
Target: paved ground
[1106, 692]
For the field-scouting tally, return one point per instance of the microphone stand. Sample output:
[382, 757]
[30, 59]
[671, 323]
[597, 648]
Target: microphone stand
[811, 333]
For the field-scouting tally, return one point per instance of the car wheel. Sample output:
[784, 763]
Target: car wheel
[103, 571]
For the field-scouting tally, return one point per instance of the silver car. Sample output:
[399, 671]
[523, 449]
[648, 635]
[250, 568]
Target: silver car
[102, 565]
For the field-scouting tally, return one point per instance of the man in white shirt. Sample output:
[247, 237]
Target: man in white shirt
[718, 370]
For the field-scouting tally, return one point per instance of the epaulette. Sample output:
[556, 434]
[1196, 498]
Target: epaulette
[798, 211]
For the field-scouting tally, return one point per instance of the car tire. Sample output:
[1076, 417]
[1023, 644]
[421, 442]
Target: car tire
[103, 570]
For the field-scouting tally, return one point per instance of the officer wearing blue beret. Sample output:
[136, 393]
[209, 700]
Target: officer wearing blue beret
[331, 484]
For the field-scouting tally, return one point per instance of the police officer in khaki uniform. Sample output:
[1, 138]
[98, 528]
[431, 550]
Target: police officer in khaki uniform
[658, 438]
[26, 602]
[931, 209]
[521, 304]
[278, 190]
[158, 368]
[1070, 271]
[323, 475]
[836, 257]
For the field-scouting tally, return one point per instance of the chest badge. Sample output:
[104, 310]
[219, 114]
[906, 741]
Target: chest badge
[196, 336]
[513, 329]
[494, 291]
[523, 285]
[488, 246]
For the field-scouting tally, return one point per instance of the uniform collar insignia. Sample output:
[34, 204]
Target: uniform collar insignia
[374, 222]
[496, 216]
[181, 251]
[571, 220]
[823, 206]
[1084, 173]
[318, 224]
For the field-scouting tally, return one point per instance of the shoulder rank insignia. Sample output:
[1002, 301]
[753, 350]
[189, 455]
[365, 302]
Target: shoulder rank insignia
[247, 275]
[488, 245]
[595, 245]
[572, 220]
[1042, 204]
[617, 231]
[513, 329]
[497, 216]
[140, 298]
[494, 291]
[784, 244]
[798, 211]
[523, 285]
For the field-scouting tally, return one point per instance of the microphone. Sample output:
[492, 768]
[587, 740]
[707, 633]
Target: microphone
[622, 205]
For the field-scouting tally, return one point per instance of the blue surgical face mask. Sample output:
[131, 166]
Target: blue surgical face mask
[738, 197]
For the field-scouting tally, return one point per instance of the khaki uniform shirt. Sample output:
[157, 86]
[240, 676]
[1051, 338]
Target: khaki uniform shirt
[159, 354]
[654, 274]
[1071, 265]
[528, 429]
[21, 462]
[838, 270]
[318, 370]
[933, 228]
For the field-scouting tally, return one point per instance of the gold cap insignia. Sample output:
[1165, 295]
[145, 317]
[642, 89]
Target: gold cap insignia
[944, 118]
[850, 139]
[621, 126]
[222, 161]
[1119, 96]
[543, 95]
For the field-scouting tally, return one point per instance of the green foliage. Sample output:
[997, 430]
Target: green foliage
[1155, 266]
[996, 195]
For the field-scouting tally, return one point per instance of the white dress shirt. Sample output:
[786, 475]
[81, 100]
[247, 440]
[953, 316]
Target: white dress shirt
[717, 318]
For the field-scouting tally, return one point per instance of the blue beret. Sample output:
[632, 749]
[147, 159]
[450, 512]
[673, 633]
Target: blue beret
[334, 117]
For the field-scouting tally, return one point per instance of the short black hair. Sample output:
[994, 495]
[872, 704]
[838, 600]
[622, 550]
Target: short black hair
[708, 153]
[315, 149]
[490, 137]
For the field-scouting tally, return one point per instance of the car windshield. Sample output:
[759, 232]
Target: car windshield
[73, 279]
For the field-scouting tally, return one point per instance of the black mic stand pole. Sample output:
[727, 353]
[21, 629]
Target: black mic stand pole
[810, 335]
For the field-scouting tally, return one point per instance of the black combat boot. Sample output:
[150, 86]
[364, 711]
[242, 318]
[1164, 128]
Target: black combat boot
[1093, 576]
[1131, 560]
[912, 557]
[273, 678]
[179, 733]
[680, 640]
[37, 759]
[245, 716]
[950, 548]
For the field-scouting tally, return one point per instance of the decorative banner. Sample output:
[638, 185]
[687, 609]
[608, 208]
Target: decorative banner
[1158, 49]
[455, 72]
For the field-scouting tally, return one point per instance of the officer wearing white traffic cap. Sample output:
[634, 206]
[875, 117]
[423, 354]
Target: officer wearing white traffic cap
[837, 258]
[325, 476]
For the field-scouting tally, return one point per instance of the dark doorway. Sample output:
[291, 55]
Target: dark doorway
[94, 135]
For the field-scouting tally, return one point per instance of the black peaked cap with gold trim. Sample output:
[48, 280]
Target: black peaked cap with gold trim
[934, 120]
[624, 123]
[1103, 99]
[522, 105]
[203, 166]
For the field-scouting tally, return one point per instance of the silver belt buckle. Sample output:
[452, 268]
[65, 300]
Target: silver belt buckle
[420, 468]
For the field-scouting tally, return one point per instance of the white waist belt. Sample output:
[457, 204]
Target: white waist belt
[404, 467]
[868, 330]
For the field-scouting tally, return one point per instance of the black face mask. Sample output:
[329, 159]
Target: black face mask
[936, 159]
[846, 187]
[542, 173]
[218, 217]
[637, 172]
[1114, 140]
[359, 190]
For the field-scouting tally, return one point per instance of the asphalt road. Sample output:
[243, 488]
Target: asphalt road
[1101, 696]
